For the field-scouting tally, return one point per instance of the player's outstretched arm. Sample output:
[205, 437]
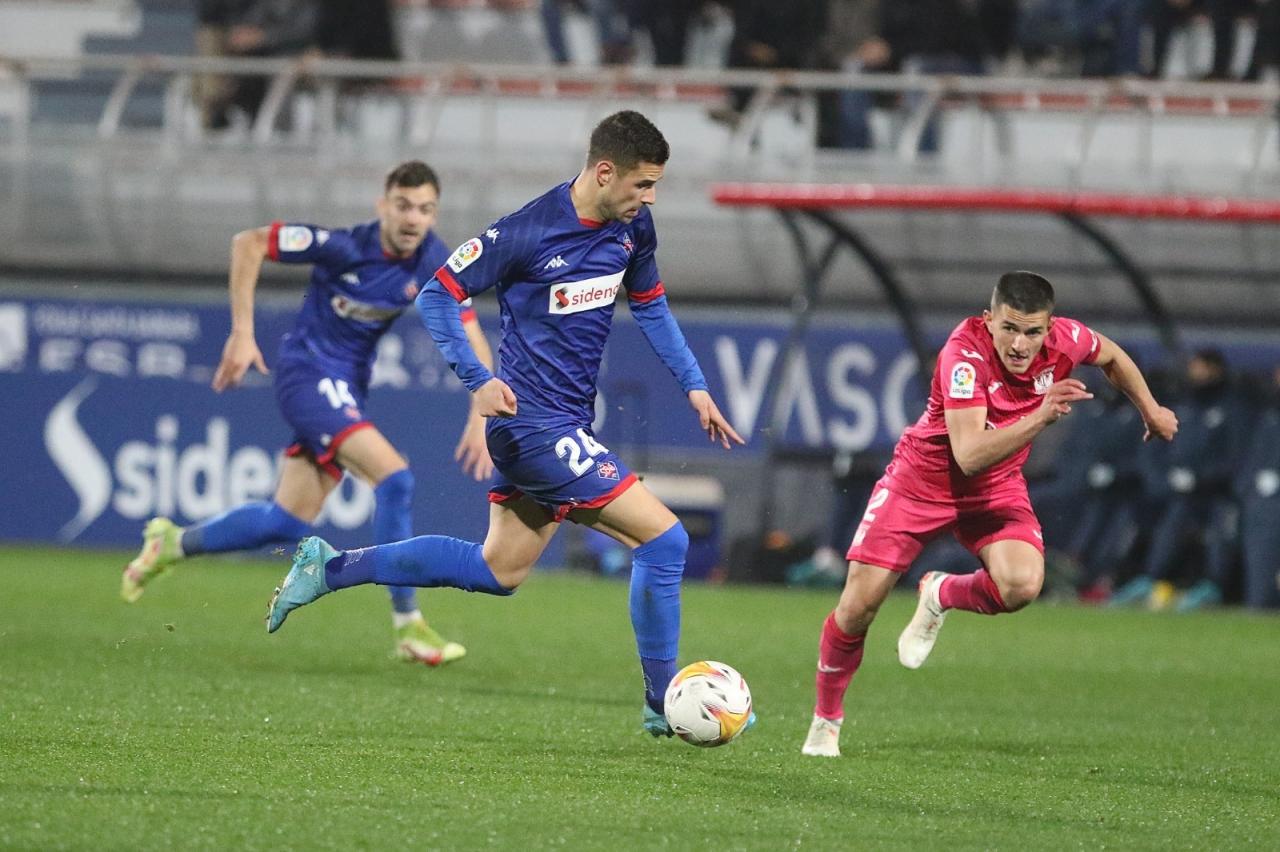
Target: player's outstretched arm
[1122, 372]
[472, 452]
[712, 421]
[977, 448]
[248, 250]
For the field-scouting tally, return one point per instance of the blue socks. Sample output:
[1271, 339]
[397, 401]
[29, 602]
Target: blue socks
[244, 528]
[427, 561]
[656, 570]
[393, 521]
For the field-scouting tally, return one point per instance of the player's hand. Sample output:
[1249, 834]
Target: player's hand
[472, 451]
[1058, 399]
[711, 420]
[495, 399]
[1163, 424]
[238, 355]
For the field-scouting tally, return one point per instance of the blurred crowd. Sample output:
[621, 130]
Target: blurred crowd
[1180, 525]
[972, 37]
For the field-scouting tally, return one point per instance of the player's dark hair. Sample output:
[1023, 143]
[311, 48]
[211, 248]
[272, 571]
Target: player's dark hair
[627, 139]
[1212, 357]
[412, 174]
[1025, 292]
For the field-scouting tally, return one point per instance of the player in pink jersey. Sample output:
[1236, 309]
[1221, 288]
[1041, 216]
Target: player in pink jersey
[1000, 380]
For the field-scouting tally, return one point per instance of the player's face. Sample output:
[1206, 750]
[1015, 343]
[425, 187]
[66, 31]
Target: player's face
[627, 193]
[407, 214]
[1017, 336]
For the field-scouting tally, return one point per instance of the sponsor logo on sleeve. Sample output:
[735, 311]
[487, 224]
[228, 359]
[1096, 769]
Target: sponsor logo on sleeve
[571, 297]
[466, 254]
[963, 378]
[607, 470]
[294, 238]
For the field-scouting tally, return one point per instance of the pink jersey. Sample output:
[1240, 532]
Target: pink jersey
[970, 374]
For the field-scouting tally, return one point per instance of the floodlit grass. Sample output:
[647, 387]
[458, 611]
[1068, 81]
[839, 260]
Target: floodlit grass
[178, 723]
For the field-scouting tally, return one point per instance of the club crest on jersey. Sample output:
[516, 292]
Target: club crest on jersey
[294, 238]
[607, 470]
[411, 289]
[1043, 381]
[465, 255]
[571, 297]
[963, 378]
[627, 245]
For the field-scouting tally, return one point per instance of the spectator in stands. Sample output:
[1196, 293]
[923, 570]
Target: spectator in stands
[612, 23]
[1105, 36]
[1257, 487]
[933, 37]
[1190, 480]
[667, 23]
[1224, 15]
[357, 29]
[768, 34]
[1266, 46]
[851, 42]
[261, 28]
[213, 91]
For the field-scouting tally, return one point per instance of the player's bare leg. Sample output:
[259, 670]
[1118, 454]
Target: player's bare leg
[840, 652]
[519, 530]
[368, 454]
[1011, 577]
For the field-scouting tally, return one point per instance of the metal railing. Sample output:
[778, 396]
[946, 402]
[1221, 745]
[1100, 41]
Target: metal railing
[424, 87]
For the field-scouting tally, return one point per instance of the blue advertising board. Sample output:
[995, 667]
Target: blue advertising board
[110, 418]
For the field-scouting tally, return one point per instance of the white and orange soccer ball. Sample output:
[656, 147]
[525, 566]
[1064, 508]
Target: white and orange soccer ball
[708, 703]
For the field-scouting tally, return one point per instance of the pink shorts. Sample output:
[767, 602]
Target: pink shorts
[896, 528]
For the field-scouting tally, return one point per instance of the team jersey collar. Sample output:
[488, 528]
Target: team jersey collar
[566, 197]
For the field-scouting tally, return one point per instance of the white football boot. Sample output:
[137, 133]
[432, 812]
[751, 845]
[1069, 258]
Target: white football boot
[917, 640]
[824, 738]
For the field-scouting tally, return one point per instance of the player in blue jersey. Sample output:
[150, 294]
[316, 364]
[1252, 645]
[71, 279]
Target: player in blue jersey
[558, 264]
[361, 280]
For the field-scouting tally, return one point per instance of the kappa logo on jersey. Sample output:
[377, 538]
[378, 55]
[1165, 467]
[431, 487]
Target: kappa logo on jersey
[1043, 381]
[607, 470]
[322, 236]
[575, 296]
[1075, 333]
[963, 378]
[492, 234]
[556, 263]
[351, 278]
[294, 238]
[466, 254]
[993, 387]
[969, 353]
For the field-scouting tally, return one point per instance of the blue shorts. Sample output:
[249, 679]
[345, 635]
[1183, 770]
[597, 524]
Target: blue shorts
[324, 409]
[562, 467]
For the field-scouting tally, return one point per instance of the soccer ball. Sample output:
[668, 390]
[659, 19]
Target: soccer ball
[708, 703]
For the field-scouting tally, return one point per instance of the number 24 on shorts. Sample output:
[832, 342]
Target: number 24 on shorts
[572, 452]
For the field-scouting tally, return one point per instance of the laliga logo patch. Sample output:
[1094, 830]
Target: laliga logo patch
[571, 297]
[294, 238]
[1043, 381]
[963, 377]
[467, 254]
[607, 470]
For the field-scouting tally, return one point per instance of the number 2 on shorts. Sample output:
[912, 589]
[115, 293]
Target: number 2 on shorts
[876, 501]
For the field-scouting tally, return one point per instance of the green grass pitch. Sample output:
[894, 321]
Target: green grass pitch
[178, 723]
